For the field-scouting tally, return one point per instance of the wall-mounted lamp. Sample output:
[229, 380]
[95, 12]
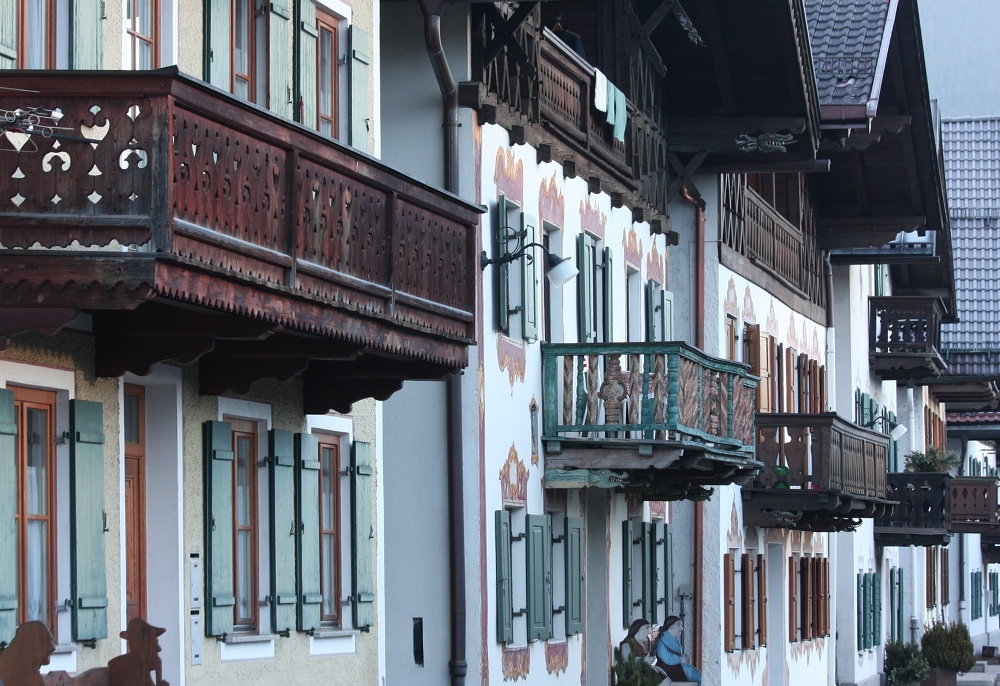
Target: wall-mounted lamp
[559, 270]
[896, 431]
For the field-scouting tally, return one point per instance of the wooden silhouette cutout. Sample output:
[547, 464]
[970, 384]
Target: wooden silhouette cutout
[28, 651]
[141, 665]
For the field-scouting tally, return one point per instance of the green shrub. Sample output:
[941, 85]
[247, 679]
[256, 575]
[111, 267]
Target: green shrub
[905, 664]
[949, 646]
[633, 671]
[933, 460]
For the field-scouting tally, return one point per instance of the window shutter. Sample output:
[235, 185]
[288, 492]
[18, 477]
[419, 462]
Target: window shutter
[900, 612]
[627, 572]
[608, 292]
[218, 31]
[281, 511]
[8, 513]
[822, 388]
[529, 279]
[8, 60]
[749, 609]
[500, 271]
[648, 571]
[86, 473]
[869, 615]
[659, 571]
[360, 43]
[793, 601]
[945, 577]
[760, 360]
[85, 34]
[306, 67]
[668, 570]
[762, 599]
[574, 575]
[804, 379]
[805, 579]
[505, 605]
[893, 628]
[729, 596]
[877, 609]
[539, 568]
[362, 536]
[279, 75]
[667, 308]
[309, 586]
[861, 611]
[585, 291]
[826, 596]
[651, 329]
[789, 385]
[220, 596]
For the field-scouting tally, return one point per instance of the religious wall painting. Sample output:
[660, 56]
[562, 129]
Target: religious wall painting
[814, 350]
[792, 333]
[749, 315]
[514, 480]
[511, 357]
[509, 175]
[632, 247]
[731, 305]
[592, 219]
[533, 415]
[734, 535]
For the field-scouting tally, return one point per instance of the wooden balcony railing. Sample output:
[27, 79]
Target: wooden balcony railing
[974, 505]
[821, 452]
[647, 392]
[922, 513]
[904, 334]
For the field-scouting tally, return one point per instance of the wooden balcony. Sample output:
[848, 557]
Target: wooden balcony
[821, 473]
[974, 505]
[922, 516]
[531, 83]
[190, 225]
[663, 420]
[904, 335]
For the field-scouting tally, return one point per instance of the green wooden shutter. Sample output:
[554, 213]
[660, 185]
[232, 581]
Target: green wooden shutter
[87, 21]
[668, 569]
[650, 311]
[900, 612]
[362, 536]
[667, 314]
[218, 30]
[861, 611]
[574, 575]
[309, 585]
[607, 311]
[8, 513]
[584, 290]
[220, 595]
[8, 43]
[648, 571]
[360, 62]
[893, 633]
[87, 522]
[659, 571]
[869, 615]
[281, 510]
[529, 279]
[626, 572]
[305, 63]
[279, 76]
[501, 275]
[877, 609]
[505, 601]
[539, 568]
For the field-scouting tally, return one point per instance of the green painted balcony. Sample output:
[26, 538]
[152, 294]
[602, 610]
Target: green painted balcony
[663, 420]
[923, 513]
[821, 473]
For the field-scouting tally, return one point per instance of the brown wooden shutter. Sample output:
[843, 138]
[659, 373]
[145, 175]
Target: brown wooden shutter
[730, 337]
[822, 388]
[760, 363]
[793, 600]
[929, 578]
[762, 599]
[826, 597]
[789, 388]
[805, 565]
[804, 385]
[729, 589]
[815, 395]
[749, 609]
[945, 579]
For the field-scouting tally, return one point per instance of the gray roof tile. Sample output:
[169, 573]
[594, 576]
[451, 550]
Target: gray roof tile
[845, 36]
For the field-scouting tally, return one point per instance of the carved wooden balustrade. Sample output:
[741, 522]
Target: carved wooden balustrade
[922, 515]
[974, 505]
[904, 335]
[820, 472]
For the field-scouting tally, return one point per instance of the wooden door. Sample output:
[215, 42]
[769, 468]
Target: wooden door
[135, 501]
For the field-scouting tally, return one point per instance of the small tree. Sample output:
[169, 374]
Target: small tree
[931, 460]
[905, 664]
[633, 671]
[949, 646]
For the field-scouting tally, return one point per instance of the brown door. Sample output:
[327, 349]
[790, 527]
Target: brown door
[135, 501]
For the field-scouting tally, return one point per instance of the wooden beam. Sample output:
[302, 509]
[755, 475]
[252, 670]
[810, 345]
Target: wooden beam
[734, 126]
[877, 223]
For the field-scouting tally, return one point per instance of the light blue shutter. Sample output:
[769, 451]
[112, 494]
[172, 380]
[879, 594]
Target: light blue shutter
[85, 37]
[529, 281]
[279, 77]
[361, 68]
[8, 512]
[607, 287]
[89, 594]
[539, 569]
[307, 67]
[893, 632]
[309, 585]
[584, 290]
[900, 612]
[667, 312]
[218, 36]
[8, 45]
[220, 596]
[505, 605]
[861, 611]
[362, 536]
[668, 569]
[500, 270]
[626, 572]
[648, 571]
[281, 510]
[574, 575]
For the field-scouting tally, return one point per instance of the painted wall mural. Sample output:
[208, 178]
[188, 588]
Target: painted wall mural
[509, 175]
[551, 205]
[592, 220]
[514, 479]
[749, 315]
[512, 358]
[632, 247]
[656, 268]
[730, 305]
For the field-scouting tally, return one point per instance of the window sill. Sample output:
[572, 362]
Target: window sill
[234, 639]
[66, 649]
[330, 632]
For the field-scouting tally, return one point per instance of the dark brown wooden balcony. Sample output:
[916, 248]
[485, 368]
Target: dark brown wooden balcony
[904, 335]
[974, 505]
[663, 420]
[922, 516]
[190, 226]
[821, 473]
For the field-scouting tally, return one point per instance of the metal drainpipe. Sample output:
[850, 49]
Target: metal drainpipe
[457, 665]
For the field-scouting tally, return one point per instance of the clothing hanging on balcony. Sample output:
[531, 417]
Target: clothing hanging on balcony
[600, 91]
[621, 115]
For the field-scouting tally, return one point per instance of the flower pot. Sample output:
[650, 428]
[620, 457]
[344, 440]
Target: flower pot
[940, 676]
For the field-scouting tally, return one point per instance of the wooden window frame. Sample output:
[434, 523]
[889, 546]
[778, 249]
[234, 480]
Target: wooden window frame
[793, 600]
[51, 9]
[246, 428]
[332, 443]
[138, 450]
[134, 37]
[24, 399]
[761, 599]
[729, 595]
[331, 24]
[731, 337]
[234, 75]
[748, 610]
[945, 577]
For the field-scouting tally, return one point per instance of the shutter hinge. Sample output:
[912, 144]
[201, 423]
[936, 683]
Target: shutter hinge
[557, 610]
[558, 539]
[520, 613]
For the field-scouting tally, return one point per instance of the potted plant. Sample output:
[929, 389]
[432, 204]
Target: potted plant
[905, 665]
[632, 671]
[931, 460]
[949, 650]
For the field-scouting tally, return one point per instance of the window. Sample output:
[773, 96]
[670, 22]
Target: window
[37, 33]
[976, 583]
[552, 297]
[539, 577]
[731, 337]
[516, 282]
[134, 430]
[746, 601]
[245, 539]
[994, 608]
[761, 355]
[141, 49]
[869, 610]
[931, 576]
[659, 313]
[945, 575]
[633, 304]
[329, 516]
[594, 290]
[243, 50]
[327, 59]
[647, 573]
[896, 611]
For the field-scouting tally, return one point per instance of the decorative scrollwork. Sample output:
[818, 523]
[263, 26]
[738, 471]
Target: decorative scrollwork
[764, 142]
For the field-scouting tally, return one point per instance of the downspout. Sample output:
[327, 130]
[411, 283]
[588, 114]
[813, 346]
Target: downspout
[457, 665]
[699, 341]
[961, 544]
[831, 337]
